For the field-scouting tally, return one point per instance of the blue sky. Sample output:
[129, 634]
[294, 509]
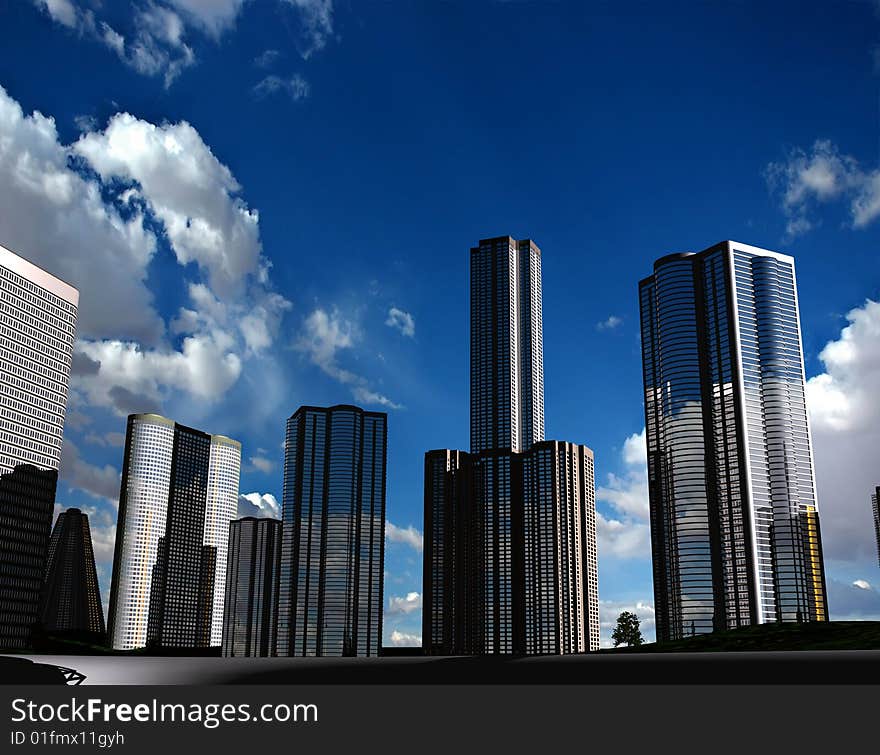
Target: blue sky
[267, 204]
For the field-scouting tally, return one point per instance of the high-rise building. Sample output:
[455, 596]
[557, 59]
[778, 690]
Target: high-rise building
[178, 495]
[875, 505]
[507, 345]
[510, 534]
[250, 618]
[734, 518]
[71, 598]
[331, 587]
[37, 328]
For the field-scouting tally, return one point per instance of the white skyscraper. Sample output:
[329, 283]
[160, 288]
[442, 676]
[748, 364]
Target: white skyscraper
[37, 328]
[179, 493]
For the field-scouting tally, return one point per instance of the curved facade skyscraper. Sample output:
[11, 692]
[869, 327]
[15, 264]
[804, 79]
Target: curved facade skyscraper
[179, 493]
[734, 517]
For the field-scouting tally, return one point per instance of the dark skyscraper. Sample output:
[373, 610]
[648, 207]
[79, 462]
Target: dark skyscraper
[71, 598]
[38, 322]
[734, 520]
[330, 597]
[251, 613]
[510, 533]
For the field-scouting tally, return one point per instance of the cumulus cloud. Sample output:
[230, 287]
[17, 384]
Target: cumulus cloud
[822, 174]
[609, 323]
[853, 602]
[109, 439]
[267, 58]
[408, 536]
[98, 482]
[844, 406]
[212, 16]
[624, 532]
[258, 505]
[323, 336]
[412, 601]
[402, 321]
[405, 639]
[862, 584]
[317, 21]
[295, 86]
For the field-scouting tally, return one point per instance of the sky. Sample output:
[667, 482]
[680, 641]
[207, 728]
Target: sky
[269, 204]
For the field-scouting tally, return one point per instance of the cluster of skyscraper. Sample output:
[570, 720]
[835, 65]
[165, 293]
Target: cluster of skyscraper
[510, 563]
[510, 555]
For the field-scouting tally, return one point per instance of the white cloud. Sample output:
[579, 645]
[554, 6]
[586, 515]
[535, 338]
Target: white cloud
[862, 584]
[402, 321]
[262, 464]
[109, 439]
[64, 12]
[258, 505]
[610, 323]
[405, 639]
[412, 601]
[408, 536]
[625, 532]
[98, 482]
[267, 58]
[213, 16]
[296, 87]
[317, 20]
[844, 406]
[324, 335]
[823, 174]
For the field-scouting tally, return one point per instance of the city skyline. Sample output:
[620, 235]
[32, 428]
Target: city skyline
[243, 247]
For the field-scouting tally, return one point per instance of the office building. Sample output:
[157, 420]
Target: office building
[333, 513]
[37, 328]
[510, 533]
[875, 505]
[71, 600]
[734, 518]
[250, 617]
[178, 495]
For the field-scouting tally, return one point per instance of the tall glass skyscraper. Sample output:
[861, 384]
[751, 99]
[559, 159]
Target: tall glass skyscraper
[178, 495]
[734, 517]
[875, 506]
[250, 619]
[71, 597]
[510, 533]
[333, 542]
[507, 345]
[37, 329]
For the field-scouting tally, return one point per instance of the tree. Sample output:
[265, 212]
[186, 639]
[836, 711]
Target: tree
[627, 631]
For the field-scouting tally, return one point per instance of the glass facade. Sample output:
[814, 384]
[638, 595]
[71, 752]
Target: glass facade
[37, 328]
[331, 590]
[251, 613]
[875, 506]
[507, 346]
[71, 598]
[175, 505]
[734, 523]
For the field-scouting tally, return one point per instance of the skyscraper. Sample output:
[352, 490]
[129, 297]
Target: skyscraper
[37, 328]
[330, 597]
[250, 618]
[507, 345]
[875, 505]
[734, 519]
[71, 597]
[179, 492]
[510, 535]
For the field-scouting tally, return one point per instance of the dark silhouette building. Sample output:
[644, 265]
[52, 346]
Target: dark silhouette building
[510, 532]
[71, 602]
[250, 616]
[333, 541]
[734, 518]
[38, 323]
